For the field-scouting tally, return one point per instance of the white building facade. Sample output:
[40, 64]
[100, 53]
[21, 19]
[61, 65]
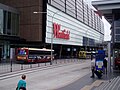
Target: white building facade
[76, 19]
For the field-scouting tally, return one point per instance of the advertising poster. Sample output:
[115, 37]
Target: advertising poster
[99, 59]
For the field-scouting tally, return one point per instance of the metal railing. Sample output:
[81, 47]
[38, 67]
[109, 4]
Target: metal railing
[8, 66]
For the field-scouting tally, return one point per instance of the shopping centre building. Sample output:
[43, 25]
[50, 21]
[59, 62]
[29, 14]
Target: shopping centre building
[70, 25]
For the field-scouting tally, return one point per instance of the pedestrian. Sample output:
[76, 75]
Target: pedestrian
[91, 55]
[22, 83]
[105, 65]
[93, 68]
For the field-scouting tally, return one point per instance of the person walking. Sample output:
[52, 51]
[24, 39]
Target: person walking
[93, 68]
[22, 83]
[105, 65]
[91, 56]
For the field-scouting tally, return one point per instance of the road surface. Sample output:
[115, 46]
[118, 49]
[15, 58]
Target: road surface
[49, 77]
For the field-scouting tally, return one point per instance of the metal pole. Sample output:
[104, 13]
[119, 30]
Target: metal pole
[21, 66]
[113, 58]
[109, 60]
[11, 65]
[51, 41]
[52, 37]
[51, 34]
[109, 57]
[86, 43]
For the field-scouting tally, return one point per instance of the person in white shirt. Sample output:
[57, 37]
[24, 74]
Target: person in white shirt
[93, 67]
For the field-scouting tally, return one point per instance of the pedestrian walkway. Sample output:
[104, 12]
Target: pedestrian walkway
[96, 84]
[108, 81]
[80, 83]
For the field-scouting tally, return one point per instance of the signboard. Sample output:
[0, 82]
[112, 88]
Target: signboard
[99, 59]
[99, 64]
[58, 33]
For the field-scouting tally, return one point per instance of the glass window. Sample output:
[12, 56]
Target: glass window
[117, 31]
[4, 21]
[117, 15]
[117, 23]
[70, 7]
[79, 10]
[15, 24]
[117, 39]
[39, 52]
[49, 1]
[60, 4]
[91, 42]
[85, 41]
[85, 13]
[22, 52]
[1, 21]
[10, 23]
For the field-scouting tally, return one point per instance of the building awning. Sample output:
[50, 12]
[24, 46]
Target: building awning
[106, 7]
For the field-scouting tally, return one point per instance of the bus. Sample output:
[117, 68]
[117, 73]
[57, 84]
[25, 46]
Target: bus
[86, 54]
[82, 54]
[34, 55]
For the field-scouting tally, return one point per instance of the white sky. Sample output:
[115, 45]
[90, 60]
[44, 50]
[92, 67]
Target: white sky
[107, 31]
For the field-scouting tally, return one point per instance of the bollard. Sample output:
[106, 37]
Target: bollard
[21, 66]
[50, 62]
[31, 65]
[10, 65]
[38, 64]
[64, 60]
[56, 61]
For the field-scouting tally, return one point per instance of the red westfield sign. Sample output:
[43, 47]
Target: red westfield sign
[64, 34]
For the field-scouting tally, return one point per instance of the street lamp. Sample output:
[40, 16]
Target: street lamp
[52, 15]
[87, 42]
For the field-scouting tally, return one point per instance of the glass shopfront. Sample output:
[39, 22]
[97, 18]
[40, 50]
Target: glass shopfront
[9, 27]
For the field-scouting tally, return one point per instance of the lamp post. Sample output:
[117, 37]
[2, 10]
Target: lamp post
[86, 42]
[52, 15]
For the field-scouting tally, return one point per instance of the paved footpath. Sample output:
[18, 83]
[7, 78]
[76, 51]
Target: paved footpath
[48, 78]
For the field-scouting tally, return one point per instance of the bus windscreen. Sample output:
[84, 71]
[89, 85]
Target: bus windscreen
[21, 52]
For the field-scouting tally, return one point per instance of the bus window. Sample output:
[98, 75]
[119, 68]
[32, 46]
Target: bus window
[22, 52]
